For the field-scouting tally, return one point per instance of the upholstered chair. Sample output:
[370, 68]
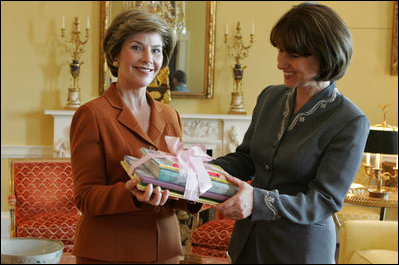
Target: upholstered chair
[208, 243]
[41, 200]
[368, 242]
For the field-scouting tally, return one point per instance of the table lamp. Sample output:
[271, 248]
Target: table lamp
[382, 140]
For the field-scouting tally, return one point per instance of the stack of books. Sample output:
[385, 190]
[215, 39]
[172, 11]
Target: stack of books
[165, 172]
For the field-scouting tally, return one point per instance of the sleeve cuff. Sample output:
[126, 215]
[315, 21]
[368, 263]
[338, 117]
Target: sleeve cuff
[265, 208]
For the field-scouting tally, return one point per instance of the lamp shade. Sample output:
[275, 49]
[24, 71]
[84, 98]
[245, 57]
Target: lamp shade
[382, 142]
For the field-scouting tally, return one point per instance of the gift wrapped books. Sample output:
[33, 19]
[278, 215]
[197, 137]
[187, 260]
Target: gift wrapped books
[184, 173]
[167, 169]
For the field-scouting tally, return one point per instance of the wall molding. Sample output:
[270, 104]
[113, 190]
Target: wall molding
[27, 151]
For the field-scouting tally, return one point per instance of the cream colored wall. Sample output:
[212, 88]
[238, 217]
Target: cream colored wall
[35, 73]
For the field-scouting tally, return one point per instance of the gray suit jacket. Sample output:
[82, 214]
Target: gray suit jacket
[302, 166]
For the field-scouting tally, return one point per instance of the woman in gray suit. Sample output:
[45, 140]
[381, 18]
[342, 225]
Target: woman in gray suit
[302, 148]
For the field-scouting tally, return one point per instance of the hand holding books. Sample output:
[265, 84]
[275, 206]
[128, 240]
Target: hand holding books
[152, 196]
[241, 205]
[171, 172]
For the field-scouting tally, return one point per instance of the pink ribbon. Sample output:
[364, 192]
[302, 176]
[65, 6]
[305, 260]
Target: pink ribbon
[191, 161]
[143, 160]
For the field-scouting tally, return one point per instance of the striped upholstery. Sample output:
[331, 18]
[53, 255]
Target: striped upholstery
[42, 196]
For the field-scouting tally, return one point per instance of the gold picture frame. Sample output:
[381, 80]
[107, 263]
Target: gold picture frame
[204, 88]
[394, 56]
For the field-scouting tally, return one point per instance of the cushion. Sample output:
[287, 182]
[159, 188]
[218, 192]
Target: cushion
[214, 234]
[374, 256]
[208, 252]
[58, 225]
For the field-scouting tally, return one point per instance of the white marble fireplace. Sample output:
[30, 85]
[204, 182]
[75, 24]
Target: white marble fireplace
[219, 133]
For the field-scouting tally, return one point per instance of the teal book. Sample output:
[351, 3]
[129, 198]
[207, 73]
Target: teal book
[167, 169]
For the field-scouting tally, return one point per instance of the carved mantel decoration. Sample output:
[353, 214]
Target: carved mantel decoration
[219, 133]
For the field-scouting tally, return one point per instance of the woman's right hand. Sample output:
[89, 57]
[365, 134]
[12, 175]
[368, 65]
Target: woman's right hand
[150, 195]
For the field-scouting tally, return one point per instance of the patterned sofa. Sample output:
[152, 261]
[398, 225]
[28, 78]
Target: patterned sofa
[41, 200]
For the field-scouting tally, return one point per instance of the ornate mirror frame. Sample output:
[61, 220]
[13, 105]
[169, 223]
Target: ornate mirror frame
[209, 60]
[394, 55]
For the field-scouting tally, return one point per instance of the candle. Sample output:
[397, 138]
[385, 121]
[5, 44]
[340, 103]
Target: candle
[63, 22]
[367, 159]
[88, 22]
[377, 161]
[227, 28]
[253, 27]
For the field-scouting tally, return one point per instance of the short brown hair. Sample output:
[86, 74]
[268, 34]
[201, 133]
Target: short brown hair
[134, 21]
[314, 29]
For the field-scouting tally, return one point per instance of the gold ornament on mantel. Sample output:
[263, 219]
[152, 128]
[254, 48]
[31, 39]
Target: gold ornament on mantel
[238, 51]
[75, 46]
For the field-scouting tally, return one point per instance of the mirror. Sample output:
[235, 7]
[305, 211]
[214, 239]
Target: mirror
[194, 53]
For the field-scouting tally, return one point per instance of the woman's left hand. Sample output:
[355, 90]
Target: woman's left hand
[240, 205]
[150, 195]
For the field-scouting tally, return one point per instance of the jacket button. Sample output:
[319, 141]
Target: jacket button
[157, 209]
[267, 167]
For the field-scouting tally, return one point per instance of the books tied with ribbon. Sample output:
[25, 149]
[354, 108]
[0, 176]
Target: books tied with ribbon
[184, 172]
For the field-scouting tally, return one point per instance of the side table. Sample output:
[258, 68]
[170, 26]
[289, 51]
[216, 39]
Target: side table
[361, 197]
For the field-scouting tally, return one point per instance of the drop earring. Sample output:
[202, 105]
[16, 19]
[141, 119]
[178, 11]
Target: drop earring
[115, 63]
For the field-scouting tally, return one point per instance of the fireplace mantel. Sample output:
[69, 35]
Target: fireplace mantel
[218, 132]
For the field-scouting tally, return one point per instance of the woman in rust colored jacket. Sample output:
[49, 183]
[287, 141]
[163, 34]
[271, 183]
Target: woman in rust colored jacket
[120, 224]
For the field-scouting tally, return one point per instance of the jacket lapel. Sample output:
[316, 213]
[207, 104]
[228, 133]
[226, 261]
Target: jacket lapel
[157, 121]
[127, 119]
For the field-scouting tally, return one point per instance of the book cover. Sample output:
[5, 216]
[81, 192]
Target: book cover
[166, 169]
[146, 177]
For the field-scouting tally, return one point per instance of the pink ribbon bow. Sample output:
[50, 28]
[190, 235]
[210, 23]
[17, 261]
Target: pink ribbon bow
[192, 161]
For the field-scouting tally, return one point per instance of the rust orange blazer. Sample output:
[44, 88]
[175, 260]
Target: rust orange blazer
[113, 225]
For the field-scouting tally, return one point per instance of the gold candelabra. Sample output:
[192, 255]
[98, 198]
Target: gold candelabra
[238, 51]
[378, 177]
[75, 46]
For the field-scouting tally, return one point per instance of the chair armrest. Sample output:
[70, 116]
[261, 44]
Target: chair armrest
[361, 235]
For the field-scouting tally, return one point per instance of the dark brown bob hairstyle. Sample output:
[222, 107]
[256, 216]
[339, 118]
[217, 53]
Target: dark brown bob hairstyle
[314, 29]
[132, 21]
